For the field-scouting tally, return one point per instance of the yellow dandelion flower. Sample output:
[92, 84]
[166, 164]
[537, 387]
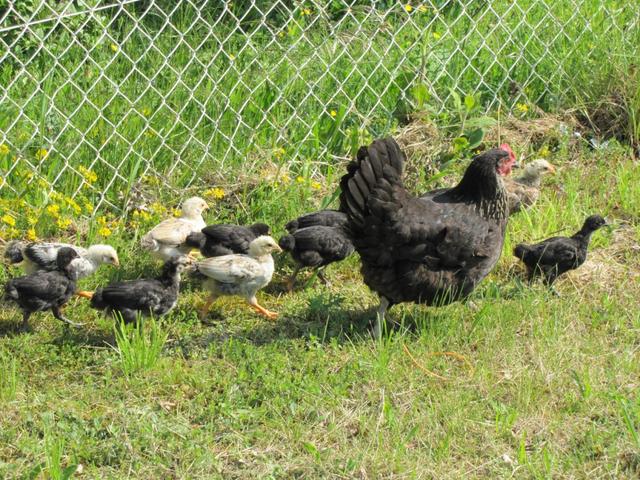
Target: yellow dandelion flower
[215, 193]
[144, 215]
[281, 34]
[42, 153]
[285, 178]
[102, 220]
[89, 175]
[146, 111]
[333, 113]
[9, 220]
[522, 108]
[88, 207]
[57, 196]
[279, 152]
[436, 35]
[299, 179]
[158, 208]
[42, 183]
[32, 219]
[63, 223]
[408, 8]
[544, 151]
[54, 210]
[3, 149]
[423, 8]
[114, 47]
[74, 205]
[316, 185]
[176, 212]
[105, 232]
[31, 235]
[306, 11]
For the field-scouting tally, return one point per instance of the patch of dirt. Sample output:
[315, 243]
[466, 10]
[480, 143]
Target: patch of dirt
[607, 267]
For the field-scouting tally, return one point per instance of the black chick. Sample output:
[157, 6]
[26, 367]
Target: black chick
[155, 296]
[326, 218]
[316, 247]
[44, 290]
[225, 239]
[557, 255]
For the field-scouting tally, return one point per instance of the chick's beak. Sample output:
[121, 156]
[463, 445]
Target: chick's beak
[278, 249]
[116, 262]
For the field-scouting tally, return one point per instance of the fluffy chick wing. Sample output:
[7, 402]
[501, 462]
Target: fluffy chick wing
[230, 268]
[172, 231]
[133, 295]
[47, 286]
[44, 254]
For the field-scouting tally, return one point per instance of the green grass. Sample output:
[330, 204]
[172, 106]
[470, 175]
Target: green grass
[553, 392]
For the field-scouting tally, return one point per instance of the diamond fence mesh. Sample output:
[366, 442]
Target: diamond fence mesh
[97, 95]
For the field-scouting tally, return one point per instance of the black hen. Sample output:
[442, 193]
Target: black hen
[323, 218]
[155, 296]
[44, 290]
[433, 249]
[218, 240]
[316, 247]
[557, 255]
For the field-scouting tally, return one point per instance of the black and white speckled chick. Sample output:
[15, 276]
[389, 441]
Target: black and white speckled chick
[45, 290]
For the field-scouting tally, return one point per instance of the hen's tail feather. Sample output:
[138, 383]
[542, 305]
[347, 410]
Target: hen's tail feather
[97, 301]
[520, 251]
[288, 243]
[379, 165]
[13, 252]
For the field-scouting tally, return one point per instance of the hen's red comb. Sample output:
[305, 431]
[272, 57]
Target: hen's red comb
[507, 148]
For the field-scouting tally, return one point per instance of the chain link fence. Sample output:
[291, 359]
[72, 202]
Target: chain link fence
[97, 96]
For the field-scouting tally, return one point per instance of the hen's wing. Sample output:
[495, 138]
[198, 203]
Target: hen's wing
[43, 254]
[172, 231]
[230, 268]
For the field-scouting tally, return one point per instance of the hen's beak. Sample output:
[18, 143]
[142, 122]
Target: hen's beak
[278, 249]
[116, 262]
[552, 169]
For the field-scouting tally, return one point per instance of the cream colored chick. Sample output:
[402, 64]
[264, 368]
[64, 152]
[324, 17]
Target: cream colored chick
[166, 240]
[241, 275]
[525, 189]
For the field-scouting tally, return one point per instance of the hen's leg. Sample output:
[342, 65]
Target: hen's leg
[202, 314]
[322, 278]
[292, 279]
[380, 321]
[253, 301]
[56, 313]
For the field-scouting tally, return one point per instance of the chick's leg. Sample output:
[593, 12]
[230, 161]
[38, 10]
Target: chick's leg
[253, 302]
[84, 294]
[56, 313]
[204, 310]
[292, 279]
